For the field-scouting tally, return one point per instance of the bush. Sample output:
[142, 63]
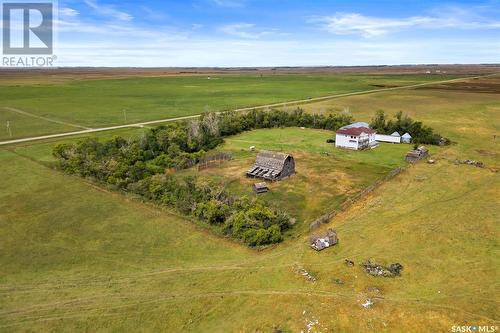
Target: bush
[404, 124]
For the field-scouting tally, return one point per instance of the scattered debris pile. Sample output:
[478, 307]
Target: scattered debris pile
[471, 162]
[368, 304]
[349, 263]
[308, 276]
[320, 243]
[312, 324]
[378, 270]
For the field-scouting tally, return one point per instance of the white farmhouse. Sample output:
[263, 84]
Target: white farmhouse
[357, 136]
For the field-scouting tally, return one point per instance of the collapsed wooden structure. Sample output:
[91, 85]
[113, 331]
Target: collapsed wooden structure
[417, 154]
[260, 188]
[320, 243]
[272, 166]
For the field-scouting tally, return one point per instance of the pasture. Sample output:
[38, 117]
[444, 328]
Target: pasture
[63, 105]
[76, 257]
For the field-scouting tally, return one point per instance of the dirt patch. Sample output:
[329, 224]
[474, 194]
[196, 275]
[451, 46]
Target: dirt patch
[487, 153]
[474, 86]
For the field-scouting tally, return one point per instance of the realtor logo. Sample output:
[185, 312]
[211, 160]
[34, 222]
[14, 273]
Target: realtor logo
[28, 28]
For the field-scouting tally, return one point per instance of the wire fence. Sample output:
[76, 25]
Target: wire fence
[349, 202]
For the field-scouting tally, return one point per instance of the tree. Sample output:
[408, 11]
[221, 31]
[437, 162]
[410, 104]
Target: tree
[379, 121]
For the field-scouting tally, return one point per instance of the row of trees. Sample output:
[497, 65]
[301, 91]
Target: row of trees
[402, 123]
[139, 165]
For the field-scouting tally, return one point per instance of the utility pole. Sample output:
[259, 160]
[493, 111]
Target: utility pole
[8, 129]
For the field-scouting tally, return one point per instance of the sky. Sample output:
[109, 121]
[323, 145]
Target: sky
[246, 33]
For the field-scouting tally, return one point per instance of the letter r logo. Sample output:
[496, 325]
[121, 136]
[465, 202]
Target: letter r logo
[28, 28]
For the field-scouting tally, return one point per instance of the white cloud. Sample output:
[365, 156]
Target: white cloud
[245, 30]
[108, 11]
[212, 52]
[369, 26]
[229, 3]
[68, 12]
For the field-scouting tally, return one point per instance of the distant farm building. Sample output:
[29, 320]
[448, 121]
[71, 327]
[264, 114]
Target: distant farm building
[272, 166]
[406, 138]
[320, 243]
[417, 154]
[260, 188]
[357, 136]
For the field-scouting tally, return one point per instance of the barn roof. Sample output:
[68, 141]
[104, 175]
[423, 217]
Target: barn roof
[395, 134]
[271, 160]
[270, 165]
[406, 136]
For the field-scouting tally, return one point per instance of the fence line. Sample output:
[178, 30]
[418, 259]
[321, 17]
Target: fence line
[349, 202]
[214, 159]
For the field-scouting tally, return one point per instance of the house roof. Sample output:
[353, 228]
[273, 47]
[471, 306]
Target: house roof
[355, 131]
[357, 124]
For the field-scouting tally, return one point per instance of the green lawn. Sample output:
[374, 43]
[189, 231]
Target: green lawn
[98, 103]
[76, 258]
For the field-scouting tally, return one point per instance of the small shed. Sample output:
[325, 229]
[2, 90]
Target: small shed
[320, 243]
[272, 166]
[417, 154]
[260, 188]
[406, 138]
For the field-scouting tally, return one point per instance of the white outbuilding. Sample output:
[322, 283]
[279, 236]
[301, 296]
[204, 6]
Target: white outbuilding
[406, 138]
[396, 134]
[387, 138]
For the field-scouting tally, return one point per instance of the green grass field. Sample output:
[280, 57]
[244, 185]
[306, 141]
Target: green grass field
[75, 257]
[99, 103]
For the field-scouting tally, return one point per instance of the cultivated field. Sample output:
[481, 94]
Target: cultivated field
[75, 257]
[61, 104]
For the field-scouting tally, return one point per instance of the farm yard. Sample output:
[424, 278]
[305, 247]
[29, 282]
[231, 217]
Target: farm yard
[325, 176]
[78, 257]
[63, 105]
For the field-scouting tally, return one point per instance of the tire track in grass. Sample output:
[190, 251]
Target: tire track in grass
[94, 312]
[28, 114]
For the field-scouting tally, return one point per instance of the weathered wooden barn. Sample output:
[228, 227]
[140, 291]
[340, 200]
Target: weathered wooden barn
[417, 154]
[272, 166]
